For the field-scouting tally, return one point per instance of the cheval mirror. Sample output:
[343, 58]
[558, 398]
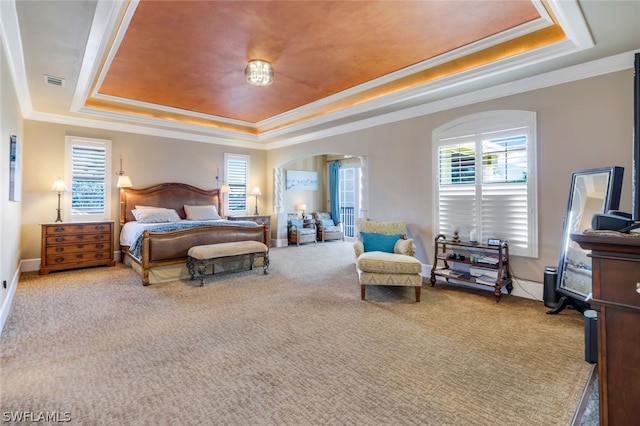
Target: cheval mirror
[592, 191]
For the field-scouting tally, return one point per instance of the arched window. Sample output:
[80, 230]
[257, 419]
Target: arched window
[485, 178]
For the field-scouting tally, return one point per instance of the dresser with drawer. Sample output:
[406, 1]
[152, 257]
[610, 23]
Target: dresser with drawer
[616, 297]
[74, 245]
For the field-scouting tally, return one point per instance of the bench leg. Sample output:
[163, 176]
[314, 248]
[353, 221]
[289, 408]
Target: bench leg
[265, 264]
[202, 271]
[191, 267]
[418, 293]
[363, 291]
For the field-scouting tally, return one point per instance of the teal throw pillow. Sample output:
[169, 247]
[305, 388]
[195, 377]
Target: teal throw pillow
[379, 242]
[297, 222]
[327, 222]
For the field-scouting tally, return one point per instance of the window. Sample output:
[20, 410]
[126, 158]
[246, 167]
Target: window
[236, 176]
[88, 170]
[349, 200]
[486, 178]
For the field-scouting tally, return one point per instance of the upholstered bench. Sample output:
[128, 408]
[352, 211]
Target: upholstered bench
[199, 257]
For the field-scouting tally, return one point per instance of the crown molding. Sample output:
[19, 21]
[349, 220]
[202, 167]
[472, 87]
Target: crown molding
[566, 75]
[143, 130]
[12, 43]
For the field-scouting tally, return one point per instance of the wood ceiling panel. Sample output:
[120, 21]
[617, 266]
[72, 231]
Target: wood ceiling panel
[191, 55]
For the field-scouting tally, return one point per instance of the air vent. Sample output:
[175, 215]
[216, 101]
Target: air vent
[55, 81]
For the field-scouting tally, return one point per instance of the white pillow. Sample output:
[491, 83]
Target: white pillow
[155, 215]
[201, 213]
[147, 207]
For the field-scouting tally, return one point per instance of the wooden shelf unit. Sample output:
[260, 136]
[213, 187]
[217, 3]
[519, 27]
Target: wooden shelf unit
[493, 260]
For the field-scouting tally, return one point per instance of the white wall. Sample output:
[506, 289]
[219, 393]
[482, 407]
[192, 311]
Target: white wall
[313, 199]
[148, 160]
[10, 124]
[581, 125]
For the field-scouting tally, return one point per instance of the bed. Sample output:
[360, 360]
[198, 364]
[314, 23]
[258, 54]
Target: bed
[158, 250]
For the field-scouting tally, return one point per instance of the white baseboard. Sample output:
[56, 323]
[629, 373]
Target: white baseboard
[5, 308]
[521, 287]
[279, 242]
[28, 265]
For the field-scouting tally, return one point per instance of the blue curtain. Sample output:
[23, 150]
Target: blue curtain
[334, 190]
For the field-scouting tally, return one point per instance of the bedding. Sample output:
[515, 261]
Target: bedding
[131, 234]
[155, 215]
[201, 213]
[159, 244]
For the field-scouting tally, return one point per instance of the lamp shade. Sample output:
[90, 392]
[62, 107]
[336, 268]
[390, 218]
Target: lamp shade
[224, 189]
[124, 182]
[59, 186]
[301, 207]
[256, 191]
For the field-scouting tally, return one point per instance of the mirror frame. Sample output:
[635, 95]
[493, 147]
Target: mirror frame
[611, 202]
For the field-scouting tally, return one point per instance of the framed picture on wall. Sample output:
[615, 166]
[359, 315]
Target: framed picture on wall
[14, 169]
[302, 180]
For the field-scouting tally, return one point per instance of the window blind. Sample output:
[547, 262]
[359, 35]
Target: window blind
[237, 170]
[88, 173]
[484, 182]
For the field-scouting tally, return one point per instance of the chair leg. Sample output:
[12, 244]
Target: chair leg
[418, 294]
[363, 291]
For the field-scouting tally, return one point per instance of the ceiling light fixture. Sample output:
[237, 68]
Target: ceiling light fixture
[259, 73]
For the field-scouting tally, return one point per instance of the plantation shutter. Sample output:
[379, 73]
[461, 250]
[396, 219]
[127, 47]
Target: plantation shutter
[504, 190]
[237, 176]
[485, 182]
[88, 173]
[457, 190]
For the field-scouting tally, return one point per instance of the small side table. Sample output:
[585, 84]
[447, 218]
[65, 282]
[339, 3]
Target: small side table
[260, 220]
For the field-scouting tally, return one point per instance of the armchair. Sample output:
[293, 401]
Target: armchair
[300, 231]
[385, 256]
[328, 229]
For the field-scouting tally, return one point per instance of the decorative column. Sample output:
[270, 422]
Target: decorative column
[364, 187]
[278, 190]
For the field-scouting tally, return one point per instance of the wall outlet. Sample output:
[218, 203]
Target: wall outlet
[4, 283]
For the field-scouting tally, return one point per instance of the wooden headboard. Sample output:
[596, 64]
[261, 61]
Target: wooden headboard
[167, 195]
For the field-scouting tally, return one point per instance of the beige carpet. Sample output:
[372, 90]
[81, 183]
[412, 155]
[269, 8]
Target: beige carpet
[296, 347]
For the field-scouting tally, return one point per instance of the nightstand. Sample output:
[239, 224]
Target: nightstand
[74, 245]
[260, 220]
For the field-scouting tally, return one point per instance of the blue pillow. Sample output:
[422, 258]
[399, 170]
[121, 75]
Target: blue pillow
[327, 222]
[379, 242]
[297, 222]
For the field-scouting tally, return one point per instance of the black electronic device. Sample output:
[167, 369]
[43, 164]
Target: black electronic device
[494, 242]
[456, 256]
[591, 336]
[611, 221]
